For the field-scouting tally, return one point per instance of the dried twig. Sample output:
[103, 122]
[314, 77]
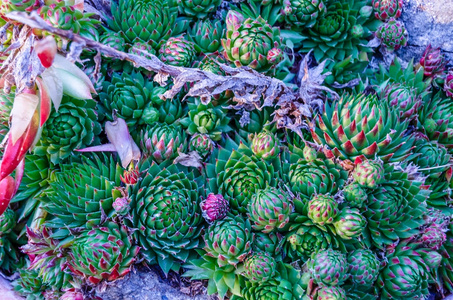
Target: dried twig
[251, 89]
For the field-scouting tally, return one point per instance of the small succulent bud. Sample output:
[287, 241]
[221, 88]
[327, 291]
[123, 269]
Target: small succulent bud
[214, 207]
[150, 115]
[433, 237]
[121, 205]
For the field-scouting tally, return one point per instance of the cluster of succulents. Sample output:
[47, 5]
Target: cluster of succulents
[354, 204]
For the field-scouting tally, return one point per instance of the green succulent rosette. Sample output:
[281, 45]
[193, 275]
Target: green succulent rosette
[105, 253]
[80, 197]
[149, 21]
[361, 126]
[252, 44]
[74, 126]
[177, 51]
[288, 284]
[162, 142]
[198, 9]
[300, 14]
[436, 120]
[207, 119]
[395, 209]
[202, 144]
[62, 16]
[313, 176]
[329, 267]
[304, 237]
[331, 293]
[259, 267]
[50, 258]
[269, 210]
[170, 110]
[128, 95]
[349, 223]
[269, 242]
[405, 275]
[29, 284]
[7, 221]
[206, 35]
[386, 9]
[237, 174]
[341, 32]
[393, 35]
[322, 209]
[432, 158]
[405, 101]
[363, 267]
[369, 174]
[355, 195]
[229, 240]
[167, 214]
[8, 6]
[265, 145]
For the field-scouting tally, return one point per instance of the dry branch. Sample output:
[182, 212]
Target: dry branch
[251, 89]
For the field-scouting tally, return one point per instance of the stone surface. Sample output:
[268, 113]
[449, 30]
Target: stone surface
[427, 21]
[144, 284]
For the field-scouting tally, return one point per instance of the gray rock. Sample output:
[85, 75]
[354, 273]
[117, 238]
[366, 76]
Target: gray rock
[144, 284]
[427, 21]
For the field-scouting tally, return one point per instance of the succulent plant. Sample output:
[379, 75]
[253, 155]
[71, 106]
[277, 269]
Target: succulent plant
[206, 36]
[237, 174]
[116, 40]
[128, 95]
[288, 285]
[433, 237]
[268, 242]
[177, 51]
[402, 99]
[303, 13]
[229, 240]
[393, 35]
[349, 223]
[76, 207]
[170, 110]
[49, 258]
[162, 142]
[437, 120]
[322, 209]
[8, 6]
[269, 210]
[202, 144]
[405, 275]
[167, 214]
[265, 145]
[313, 175]
[433, 62]
[331, 293]
[259, 267]
[199, 8]
[358, 126]
[355, 195]
[394, 209]
[329, 267]
[29, 284]
[62, 16]
[341, 32]
[105, 253]
[363, 267]
[74, 126]
[386, 9]
[369, 174]
[149, 21]
[448, 85]
[431, 157]
[7, 221]
[214, 208]
[252, 44]
[206, 119]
